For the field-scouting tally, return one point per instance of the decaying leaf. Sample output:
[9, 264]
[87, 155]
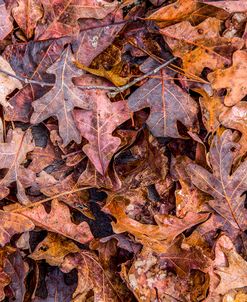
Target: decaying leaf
[97, 126]
[225, 186]
[59, 221]
[168, 104]
[62, 98]
[12, 156]
[5, 22]
[7, 84]
[232, 78]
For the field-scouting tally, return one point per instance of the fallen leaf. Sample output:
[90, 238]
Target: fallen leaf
[59, 221]
[27, 14]
[230, 6]
[62, 98]
[7, 84]
[54, 249]
[224, 186]
[97, 126]
[5, 22]
[60, 17]
[104, 285]
[12, 155]
[232, 78]
[168, 104]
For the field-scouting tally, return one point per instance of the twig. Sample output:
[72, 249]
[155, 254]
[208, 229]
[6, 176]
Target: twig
[116, 90]
[25, 80]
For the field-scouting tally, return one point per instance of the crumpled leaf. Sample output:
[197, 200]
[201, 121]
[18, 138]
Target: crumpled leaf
[168, 104]
[11, 224]
[224, 186]
[59, 221]
[105, 285]
[229, 5]
[27, 14]
[54, 249]
[201, 45]
[62, 98]
[7, 83]
[236, 118]
[60, 17]
[12, 155]
[232, 78]
[158, 237]
[5, 23]
[97, 126]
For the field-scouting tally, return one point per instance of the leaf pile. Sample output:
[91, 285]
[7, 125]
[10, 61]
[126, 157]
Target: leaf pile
[123, 150]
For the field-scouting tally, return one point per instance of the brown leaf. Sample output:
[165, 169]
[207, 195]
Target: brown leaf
[158, 237]
[27, 14]
[54, 249]
[59, 221]
[95, 36]
[232, 78]
[174, 11]
[236, 118]
[105, 285]
[168, 104]
[97, 126]
[224, 186]
[7, 83]
[201, 45]
[229, 5]
[12, 156]
[62, 98]
[5, 23]
[60, 17]
[229, 266]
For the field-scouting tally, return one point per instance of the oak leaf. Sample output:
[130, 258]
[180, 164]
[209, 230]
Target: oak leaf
[12, 155]
[226, 188]
[168, 104]
[104, 284]
[60, 17]
[54, 249]
[201, 46]
[236, 118]
[62, 98]
[27, 14]
[232, 78]
[59, 221]
[5, 23]
[7, 84]
[158, 237]
[97, 126]
[11, 224]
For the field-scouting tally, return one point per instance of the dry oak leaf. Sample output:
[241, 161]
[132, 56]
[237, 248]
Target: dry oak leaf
[158, 237]
[97, 126]
[168, 104]
[7, 83]
[226, 188]
[59, 221]
[232, 78]
[54, 249]
[26, 14]
[5, 23]
[11, 224]
[201, 45]
[234, 275]
[62, 98]
[5, 279]
[229, 5]
[236, 118]
[60, 16]
[12, 155]
[174, 12]
[103, 285]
